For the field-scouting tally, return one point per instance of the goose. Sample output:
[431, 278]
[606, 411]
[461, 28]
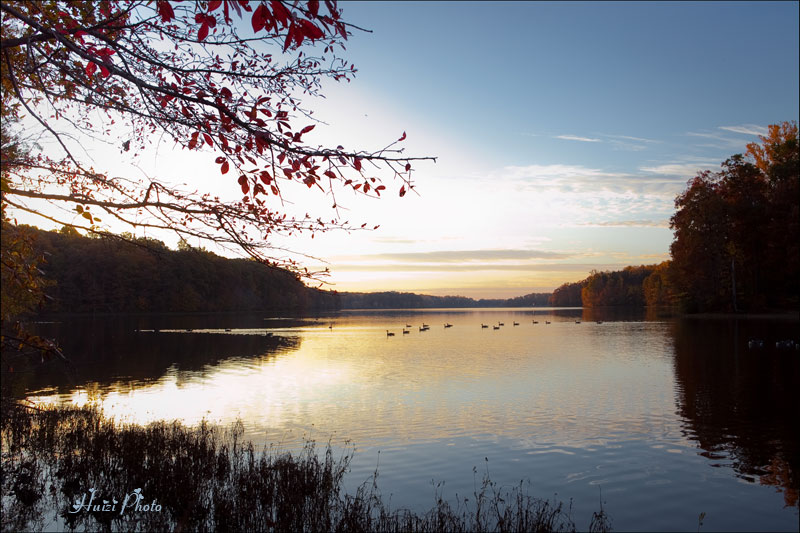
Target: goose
[408, 325]
[484, 325]
[495, 327]
[501, 323]
[424, 325]
[546, 321]
[426, 328]
[516, 323]
[535, 321]
[577, 321]
[755, 343]
[389, 333]
[448, 325]
[405, 332]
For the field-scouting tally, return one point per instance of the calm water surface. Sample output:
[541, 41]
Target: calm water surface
[662, 419]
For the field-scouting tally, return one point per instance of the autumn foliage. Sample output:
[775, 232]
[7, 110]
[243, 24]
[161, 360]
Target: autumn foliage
[737, 231]
[223, 77]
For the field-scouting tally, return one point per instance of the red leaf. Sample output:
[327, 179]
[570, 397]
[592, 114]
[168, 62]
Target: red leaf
[213, 5]
[280, 13]
[208, 139]
[104, 71]
[402, 138]
[380, 187]
[313, 7]
[265, 177]
[90, 68]
[193, 141]
[259, 18]
[307, 129]
[202, 33]
[311, 31]
[274, 190]
[298, 35]
[408, 167]
[165, 10]
[330, 174]
[402, 191]
[219, 160]
[226, 93]
[357, 163]
[225, 167]
[288, 40]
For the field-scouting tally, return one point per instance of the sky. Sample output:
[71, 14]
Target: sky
[563, 133]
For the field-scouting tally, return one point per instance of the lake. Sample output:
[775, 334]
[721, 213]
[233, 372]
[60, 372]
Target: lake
[660, 419]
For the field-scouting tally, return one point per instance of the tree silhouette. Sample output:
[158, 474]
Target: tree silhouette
[219, 76]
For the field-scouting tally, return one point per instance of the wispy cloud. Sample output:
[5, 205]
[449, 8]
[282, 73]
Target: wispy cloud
[594, 181]
[558, 172]
[664, 223]
[630, 138]
[577, 138]
[395, 240]
[747, 129]
[459, 256]
[501, 267]
[719, 140]
[686, 170]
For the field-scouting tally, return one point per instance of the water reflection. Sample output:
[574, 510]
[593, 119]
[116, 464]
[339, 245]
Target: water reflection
[644, 407]
[109, 351]
[740, 404]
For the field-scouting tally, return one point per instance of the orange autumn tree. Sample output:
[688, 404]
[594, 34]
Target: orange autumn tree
[737, 230]
[225, 77]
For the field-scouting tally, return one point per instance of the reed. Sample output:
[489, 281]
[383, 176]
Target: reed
[207, 478]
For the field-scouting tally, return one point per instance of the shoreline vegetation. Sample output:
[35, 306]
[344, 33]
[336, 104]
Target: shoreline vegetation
[208, 478]
[106, 276]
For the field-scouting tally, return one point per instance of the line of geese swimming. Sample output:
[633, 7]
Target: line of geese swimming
[426, 327]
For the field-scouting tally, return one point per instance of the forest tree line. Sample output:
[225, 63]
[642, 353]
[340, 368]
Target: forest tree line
[109, 275]
[409, 300]
[626, 287]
